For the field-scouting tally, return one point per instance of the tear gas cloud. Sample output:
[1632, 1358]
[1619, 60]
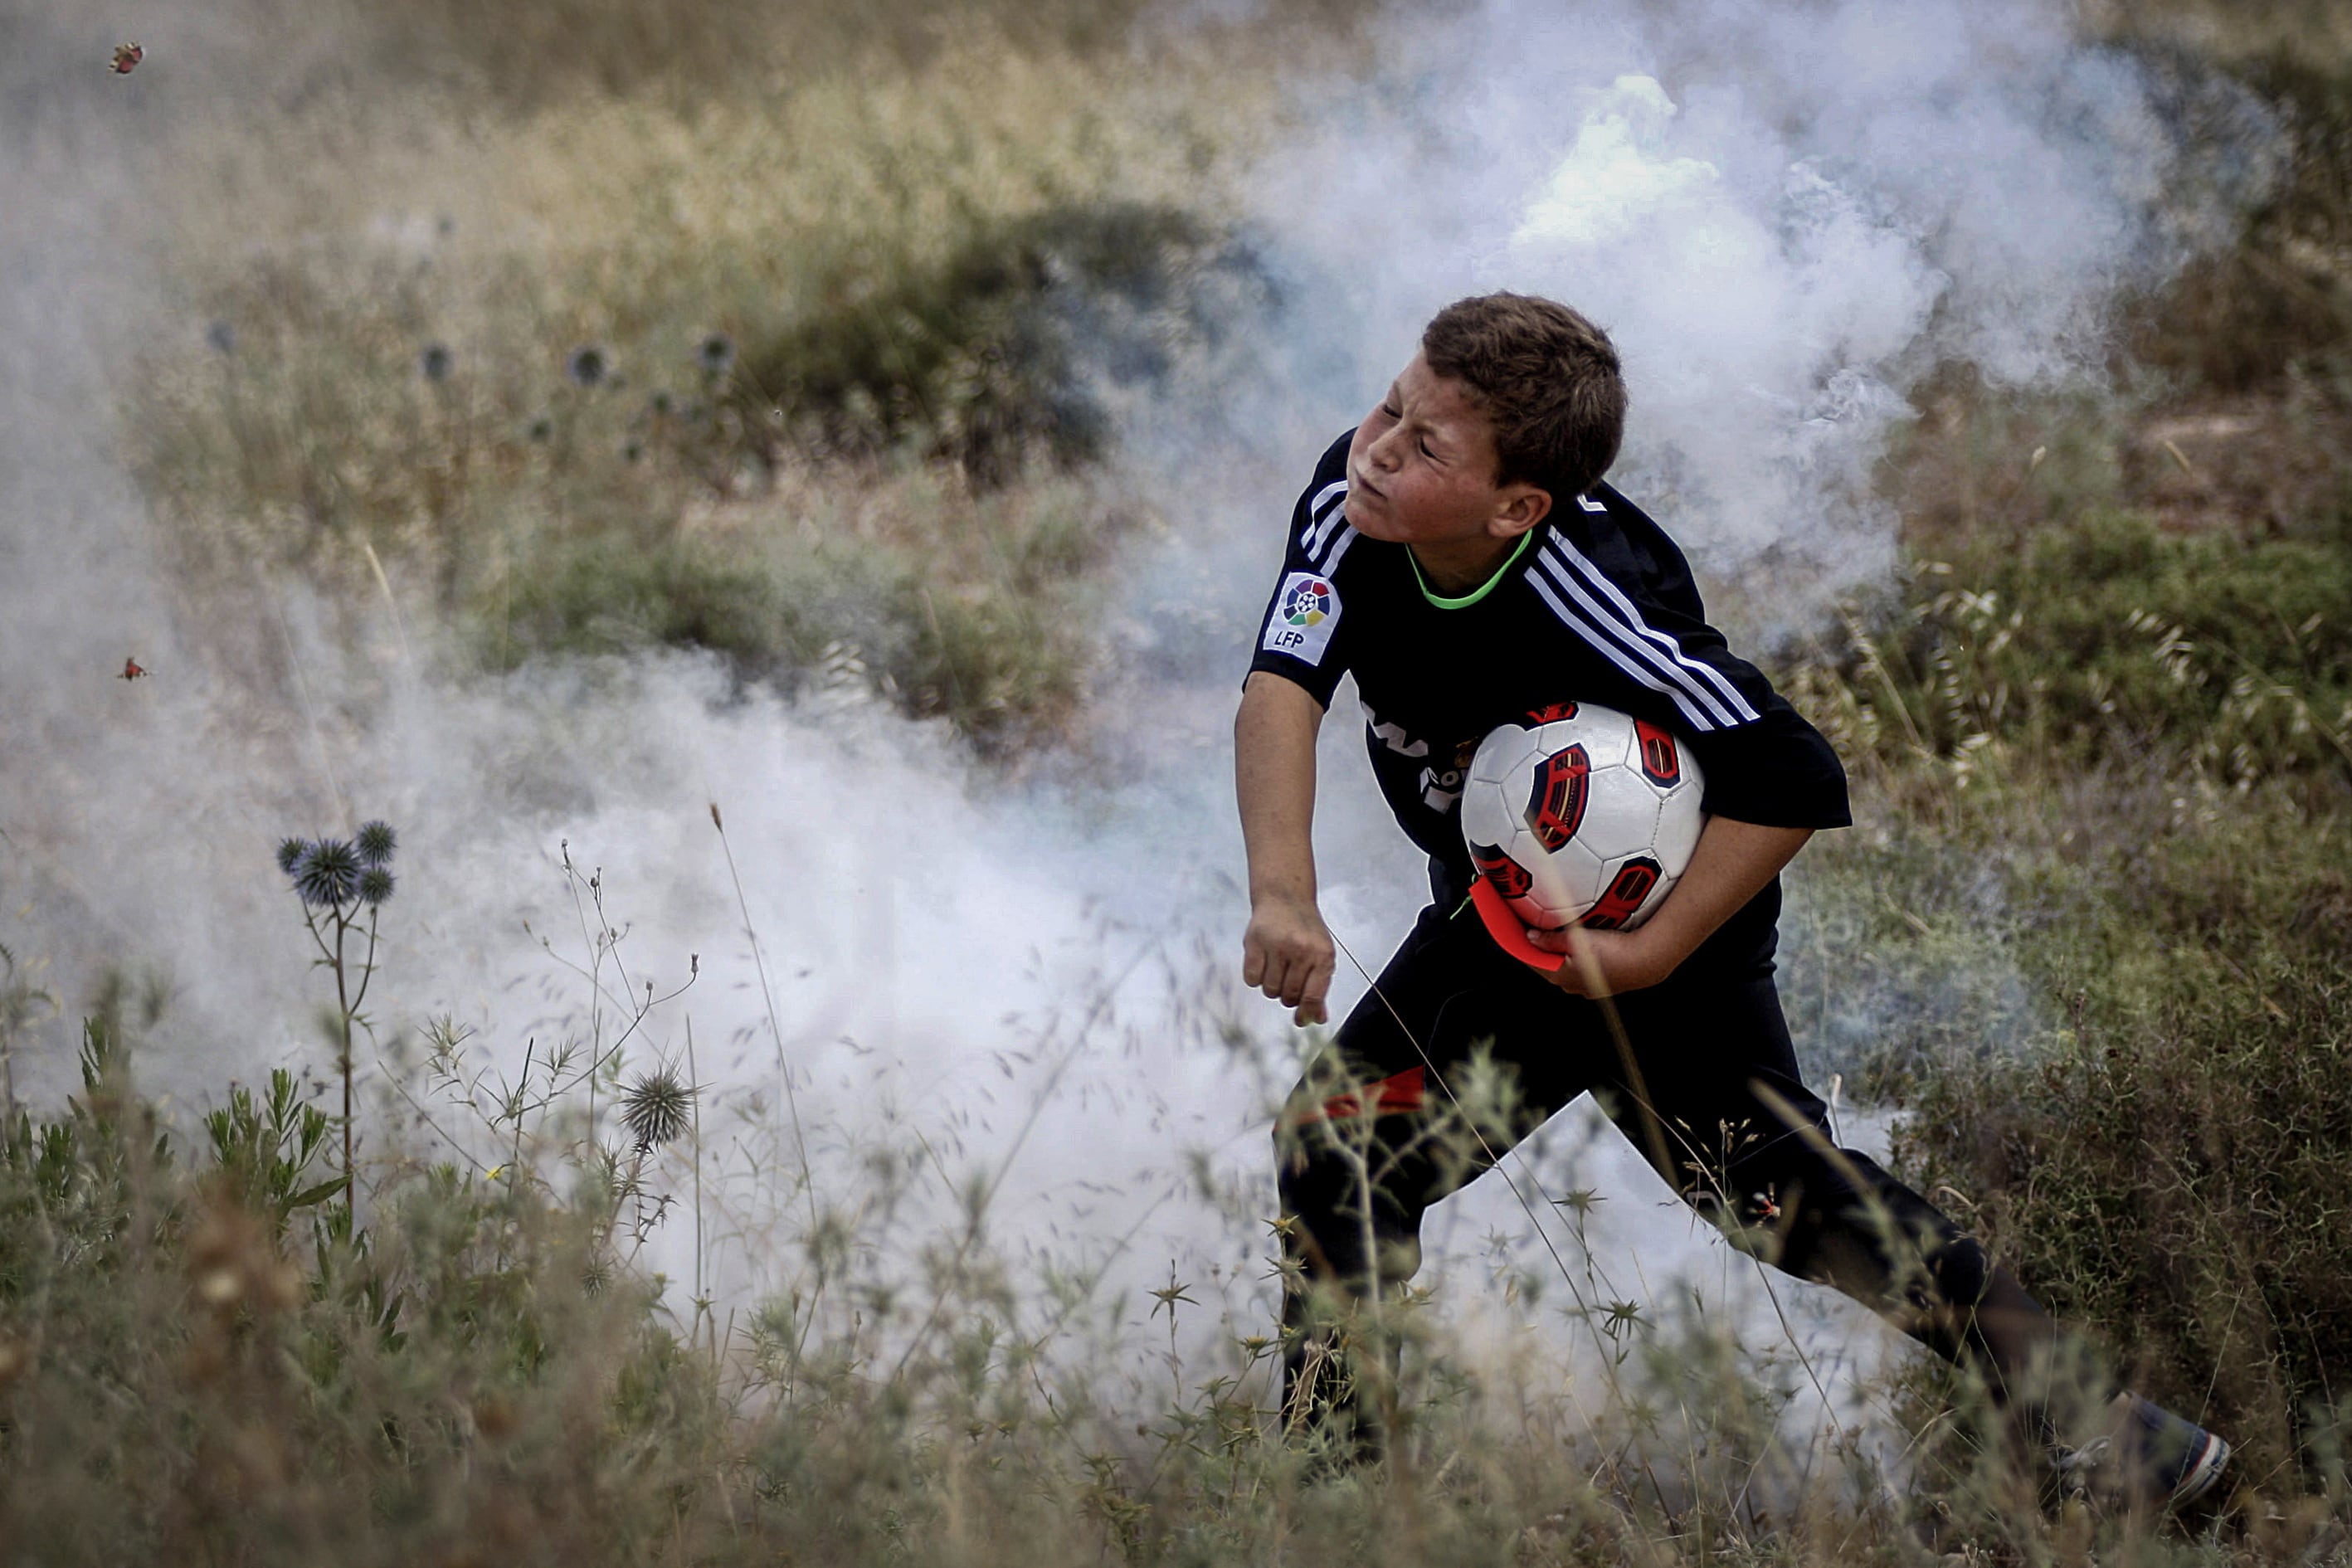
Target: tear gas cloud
[1784, 213]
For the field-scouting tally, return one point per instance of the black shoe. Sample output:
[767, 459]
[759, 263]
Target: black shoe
[2148, 1456]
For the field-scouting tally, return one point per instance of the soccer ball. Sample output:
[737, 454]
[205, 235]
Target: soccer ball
[1582, 816]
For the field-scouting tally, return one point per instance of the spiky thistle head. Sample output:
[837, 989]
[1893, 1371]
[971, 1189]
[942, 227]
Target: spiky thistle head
[375, 841]
[374, 886]
[435, 362]
[586, 365]
[656, 1107]
[290, 854]
[717, 354]
[328, 873]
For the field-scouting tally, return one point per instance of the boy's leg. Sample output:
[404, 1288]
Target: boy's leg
[1751, 1147]
[1371, 1136]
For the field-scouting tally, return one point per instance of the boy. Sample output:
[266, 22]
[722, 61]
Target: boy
[1459, 554]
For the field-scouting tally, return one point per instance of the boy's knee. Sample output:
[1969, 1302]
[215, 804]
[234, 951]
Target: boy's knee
[1960, 1270]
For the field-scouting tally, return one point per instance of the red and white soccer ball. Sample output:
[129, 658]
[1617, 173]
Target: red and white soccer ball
[1582, 816]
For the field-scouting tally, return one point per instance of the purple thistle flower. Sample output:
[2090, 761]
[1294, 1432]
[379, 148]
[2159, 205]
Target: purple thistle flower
[375, 843]
[586, 366]
[374, 886]
[290, 852]
[327, 874]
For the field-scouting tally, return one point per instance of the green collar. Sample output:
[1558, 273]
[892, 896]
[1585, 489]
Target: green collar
[1472, 597]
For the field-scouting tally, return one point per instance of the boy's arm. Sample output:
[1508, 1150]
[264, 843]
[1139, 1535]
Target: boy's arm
[1734, 862]
[1286, 953]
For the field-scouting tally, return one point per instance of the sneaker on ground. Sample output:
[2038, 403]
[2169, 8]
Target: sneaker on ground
[2148, 1456]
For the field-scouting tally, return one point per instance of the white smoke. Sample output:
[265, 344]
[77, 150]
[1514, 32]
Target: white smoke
[1784, 213]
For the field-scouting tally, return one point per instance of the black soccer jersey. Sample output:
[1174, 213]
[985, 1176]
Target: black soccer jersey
[1597, 605]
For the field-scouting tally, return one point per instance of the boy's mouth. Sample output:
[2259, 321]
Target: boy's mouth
[1357, 481]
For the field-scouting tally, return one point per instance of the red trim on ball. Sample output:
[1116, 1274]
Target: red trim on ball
[1509, 933]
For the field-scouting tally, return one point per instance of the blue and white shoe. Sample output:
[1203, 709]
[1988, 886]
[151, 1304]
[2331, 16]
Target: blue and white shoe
[2148, 1456]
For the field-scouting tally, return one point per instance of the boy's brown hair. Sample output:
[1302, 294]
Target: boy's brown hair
[1547, 380]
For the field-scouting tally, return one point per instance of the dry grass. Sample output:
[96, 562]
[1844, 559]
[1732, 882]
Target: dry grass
[2231, 33]
[477, 1376]
[394, 412]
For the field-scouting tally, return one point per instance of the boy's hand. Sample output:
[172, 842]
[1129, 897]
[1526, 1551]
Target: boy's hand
[1288, 954]
[1607, 963]
[1732, 862]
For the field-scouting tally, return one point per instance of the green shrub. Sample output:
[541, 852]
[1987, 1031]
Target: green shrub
[2090, 936]
[988, 358]
[944, 603]
[2106, 645]
[611, 596]
[2173, 1163]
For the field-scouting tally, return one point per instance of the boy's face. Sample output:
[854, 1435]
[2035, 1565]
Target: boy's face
[1420, 472]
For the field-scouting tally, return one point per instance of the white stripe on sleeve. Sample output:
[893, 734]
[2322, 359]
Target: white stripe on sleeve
[1705, 674]
[1347, 536]
[1700, 718]
[1323, 512]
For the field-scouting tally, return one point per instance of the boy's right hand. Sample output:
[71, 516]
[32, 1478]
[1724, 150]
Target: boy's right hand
[1288, 954]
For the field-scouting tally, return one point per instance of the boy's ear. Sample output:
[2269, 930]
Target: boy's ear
[1519, 506]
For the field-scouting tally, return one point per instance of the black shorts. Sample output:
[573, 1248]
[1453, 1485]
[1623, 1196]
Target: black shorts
[1700, 1073]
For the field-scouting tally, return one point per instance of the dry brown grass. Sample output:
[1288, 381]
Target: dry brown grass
[2232, 32]
[643, 226]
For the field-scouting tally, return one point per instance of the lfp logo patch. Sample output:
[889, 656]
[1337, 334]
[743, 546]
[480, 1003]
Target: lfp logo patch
[1305, 612]
[1309, 602]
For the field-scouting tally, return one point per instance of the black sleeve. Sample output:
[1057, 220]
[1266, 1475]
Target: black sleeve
[1763, 762]
[1778, 772]
[1300, 637]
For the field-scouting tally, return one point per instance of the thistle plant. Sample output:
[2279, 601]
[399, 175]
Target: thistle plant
[715, 356]
[586, 366]
[656, 1107]
[342, 884]
[538, 1117]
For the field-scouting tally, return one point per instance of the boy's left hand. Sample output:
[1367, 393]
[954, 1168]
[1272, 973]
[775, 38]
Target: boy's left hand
[1734, 861]
[1608, 962]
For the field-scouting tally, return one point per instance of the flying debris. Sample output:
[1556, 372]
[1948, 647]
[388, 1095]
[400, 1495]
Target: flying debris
[131, 670]
[127, 57]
